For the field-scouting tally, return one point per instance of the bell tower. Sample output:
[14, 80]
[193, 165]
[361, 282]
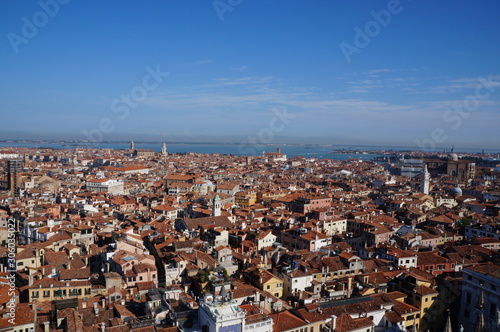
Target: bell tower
[217, 205]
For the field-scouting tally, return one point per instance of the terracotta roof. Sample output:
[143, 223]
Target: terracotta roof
[285, 320]
[346, 323]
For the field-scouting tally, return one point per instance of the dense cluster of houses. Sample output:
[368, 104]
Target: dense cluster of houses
[134, 240]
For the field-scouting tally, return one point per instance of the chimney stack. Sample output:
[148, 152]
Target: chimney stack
[334, 322]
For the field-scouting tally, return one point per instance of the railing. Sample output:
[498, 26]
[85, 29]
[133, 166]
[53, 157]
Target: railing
[251, 327]
[216, 316]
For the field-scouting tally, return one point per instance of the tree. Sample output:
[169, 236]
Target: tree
[464, 222]
[225, 274]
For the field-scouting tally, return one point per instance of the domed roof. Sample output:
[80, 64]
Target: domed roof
[208, 183]
[343, 172]
[453, 156]
[456, 191]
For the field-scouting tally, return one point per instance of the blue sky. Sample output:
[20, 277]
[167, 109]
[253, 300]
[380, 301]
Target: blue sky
[416, 78]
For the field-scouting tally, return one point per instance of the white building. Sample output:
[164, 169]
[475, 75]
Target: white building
[334, 226]
[403, 258]
[218, 316]
[275, 156]
[425, 181]
[294, 281]
[111, 186]
[8, 155]
[483, 230]
[412, 167]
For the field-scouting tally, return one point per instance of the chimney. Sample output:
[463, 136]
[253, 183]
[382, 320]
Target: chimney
[103, 303]
[333, 322]
[122, 302]
[84, 305]
[103, 327]
[46, 326]
[96, 309]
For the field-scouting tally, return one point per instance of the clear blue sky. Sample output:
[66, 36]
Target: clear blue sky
[229, 69]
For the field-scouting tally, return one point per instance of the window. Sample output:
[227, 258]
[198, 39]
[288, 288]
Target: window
[468, 298]
[268, 287]
[35, 294]
[467, 313]
[493, 309]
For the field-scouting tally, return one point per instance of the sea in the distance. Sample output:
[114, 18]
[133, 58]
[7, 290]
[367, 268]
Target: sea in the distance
[306, 151]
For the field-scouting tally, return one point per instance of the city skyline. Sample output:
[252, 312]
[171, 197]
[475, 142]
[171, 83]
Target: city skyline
[376, 73]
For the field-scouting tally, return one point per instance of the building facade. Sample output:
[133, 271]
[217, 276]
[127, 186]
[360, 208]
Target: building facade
[480, 302]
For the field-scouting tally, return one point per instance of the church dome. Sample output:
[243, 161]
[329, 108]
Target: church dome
[456, 192]
[453, 157]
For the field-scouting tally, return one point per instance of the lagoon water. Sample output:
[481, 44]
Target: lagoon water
[307, 151]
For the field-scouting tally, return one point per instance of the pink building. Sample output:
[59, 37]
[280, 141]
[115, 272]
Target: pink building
[134, 267]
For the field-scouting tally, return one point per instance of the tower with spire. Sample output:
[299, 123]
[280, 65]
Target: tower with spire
[425, 181]
[132, 145]
[164, 149]
[448, 327]
[217, 206]
[479, 326]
